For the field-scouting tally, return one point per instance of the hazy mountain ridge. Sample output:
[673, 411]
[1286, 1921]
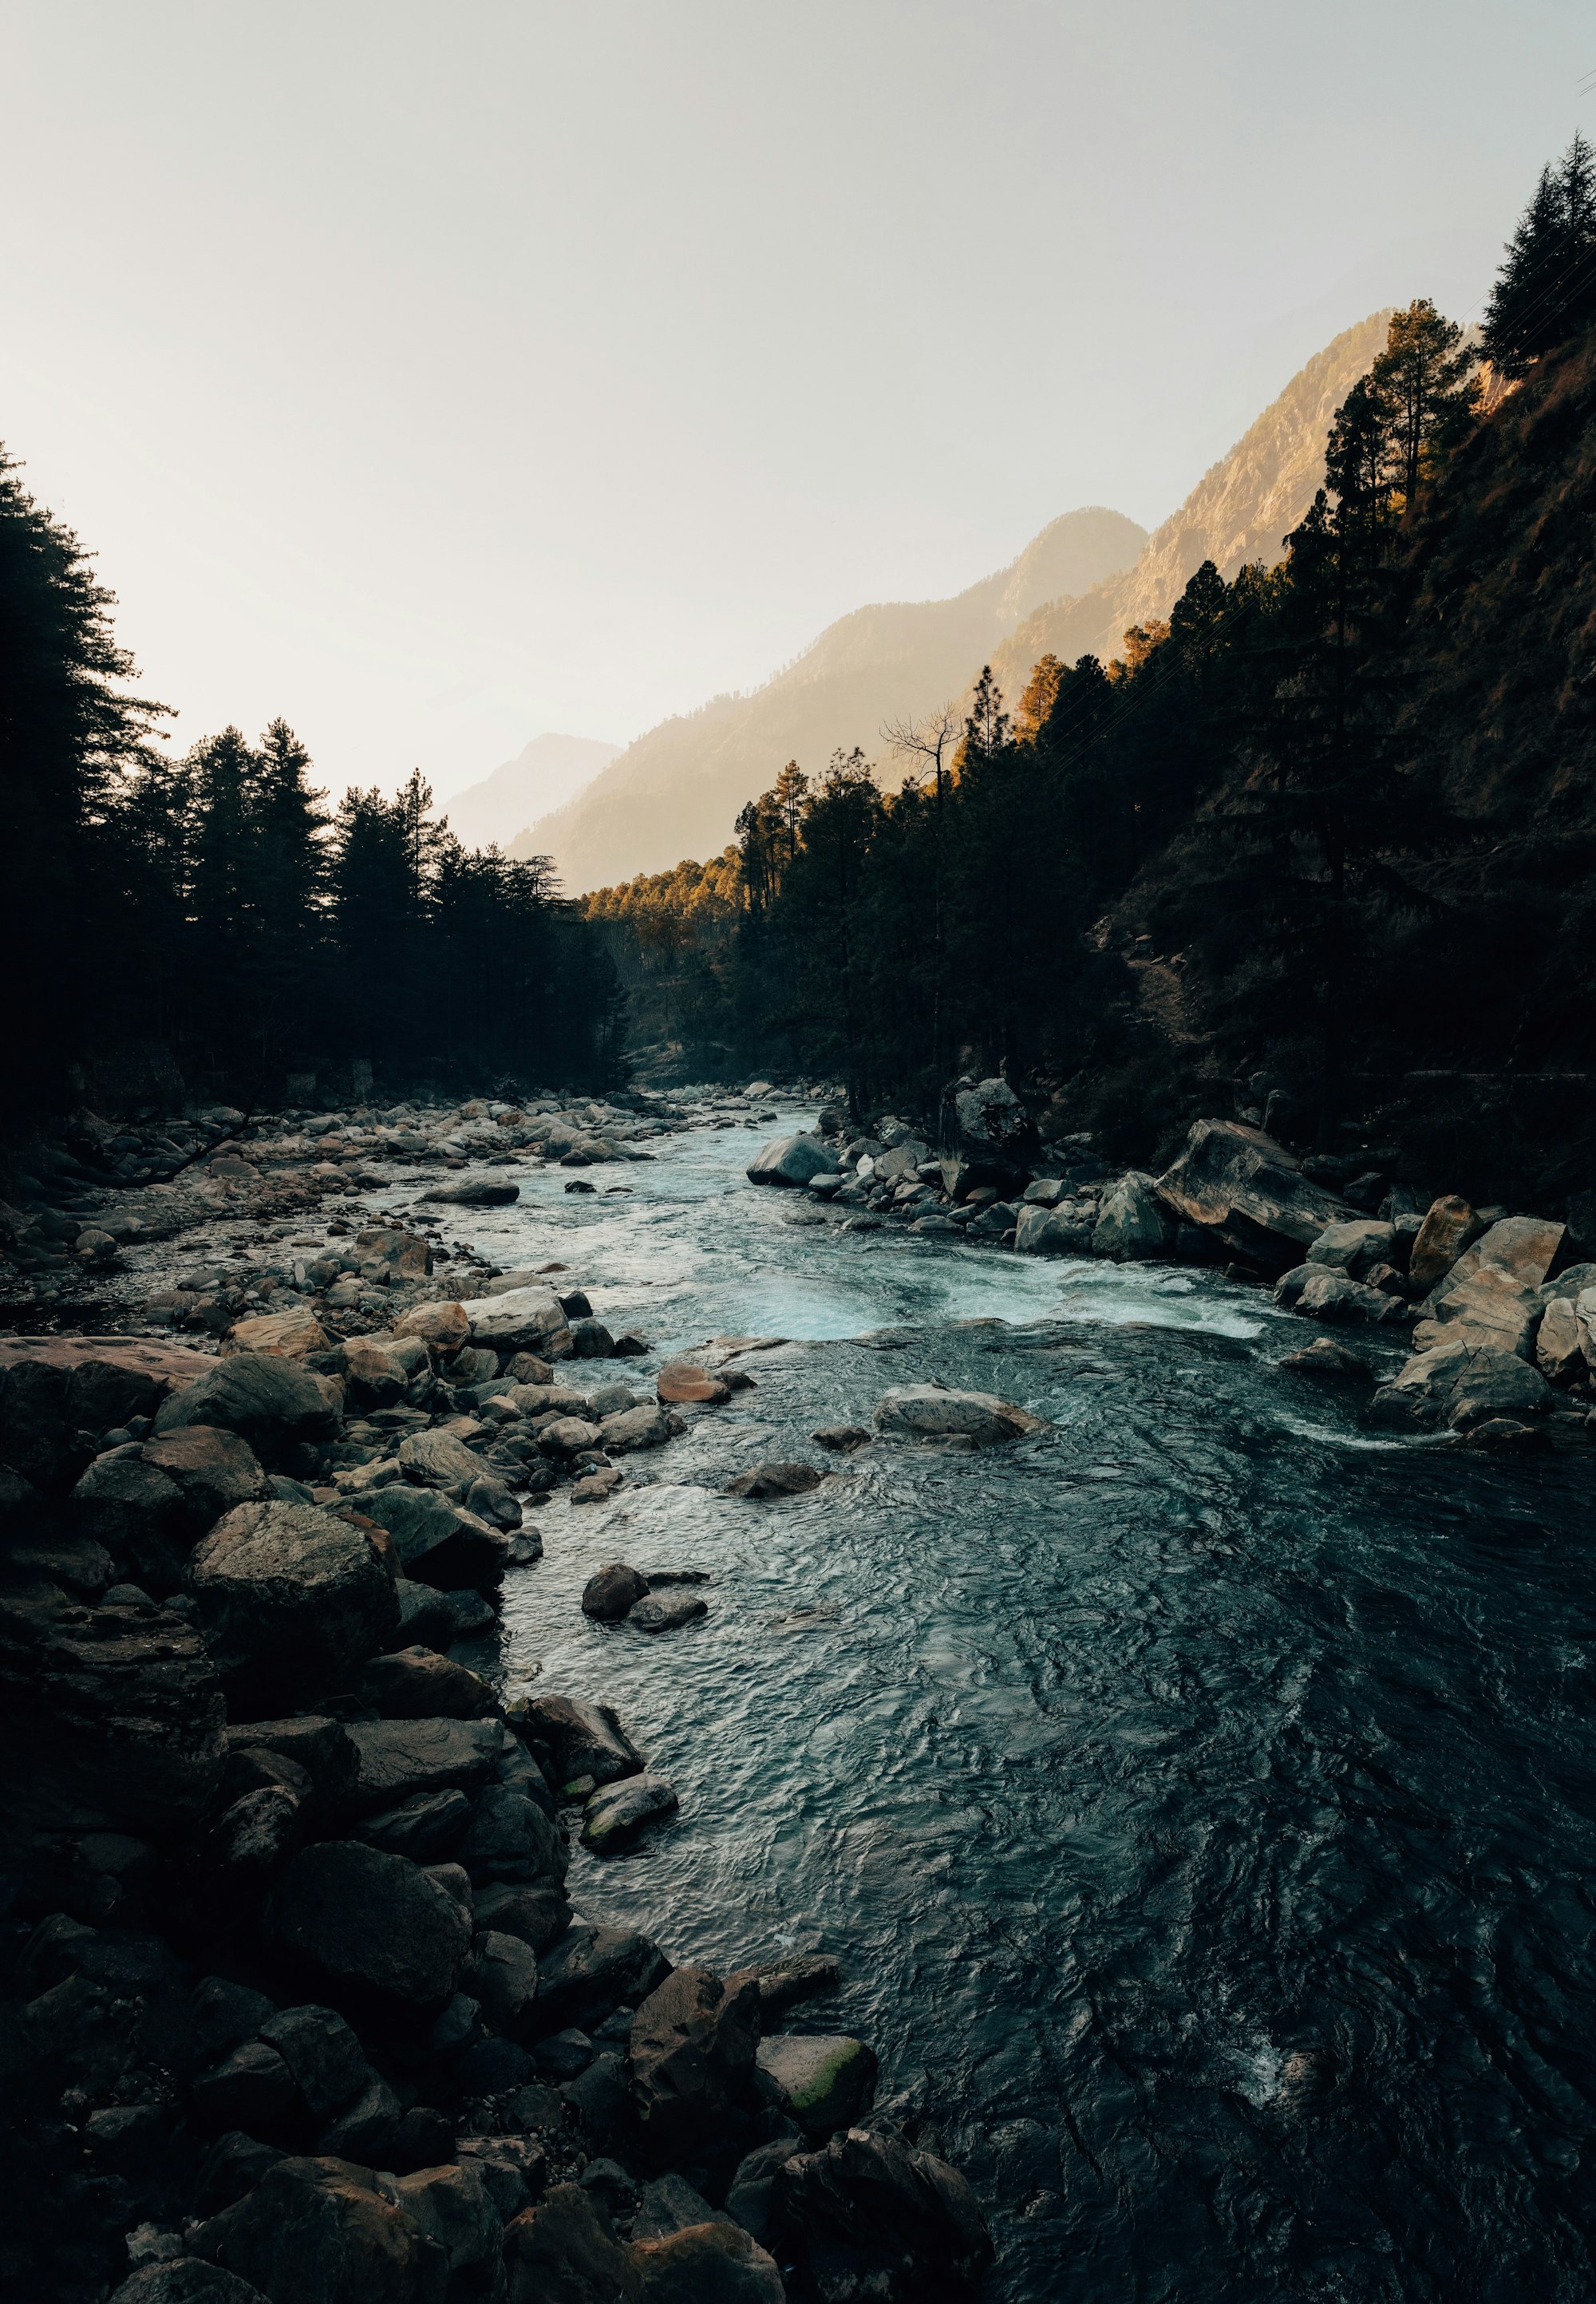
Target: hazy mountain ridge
[545, 775]
[677, 789]
[1240, 511]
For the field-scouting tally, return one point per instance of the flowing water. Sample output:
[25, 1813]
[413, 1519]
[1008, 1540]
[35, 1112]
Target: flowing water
[1199, 1795]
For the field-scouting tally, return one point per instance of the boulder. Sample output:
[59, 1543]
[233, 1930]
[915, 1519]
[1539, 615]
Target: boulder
[1559, 1347]
[111, 1718]
[442, 1328]
[612, 1591]
[1323, 1291]
[370, 1924]
[586, 1739]
[563, 2252]
[790, 1160]
[1492, 1293]
[1039, 1230]
[766, 1482]
[590, 1340]
[681, 1381]
[323, 2232]
[666, 1612]
[615, 1816]
[1250, 1191]
[427, 1827]
[273, 1403]
[520, 1320]
[291, 1600]
[212, 1470]
[438, 1543]
[843, 1437]
[253, 1837]
[784, 1983]
[403, 1255]
[320, 1749]
[1462, 1381]
[590, 1971]
[1322, 1358]
[293, 1336]
[711, 2263]
[454, 2209]
[691, 2053]
[503, 1979]
[323, 2054]
[1450, 1227]
[871, 2217]
[511, 1843]
[365, 2129]
[1132, 1223]
[1354, 1247]
[570, 1435]
[636, 1428]
[380, 1371]
[185, 2280]
[416, 1683]
[823, 2083]
[538, 1915]
[474, 1192]
[995, 1133]
[441, 1460]
[396, 1759]
[925, 1412]
[52, 1388]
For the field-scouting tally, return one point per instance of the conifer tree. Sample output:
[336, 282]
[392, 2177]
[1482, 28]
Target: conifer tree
[1546, 290]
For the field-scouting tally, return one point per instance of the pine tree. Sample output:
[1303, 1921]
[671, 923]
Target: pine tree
[1546, 290]
[1424, 391]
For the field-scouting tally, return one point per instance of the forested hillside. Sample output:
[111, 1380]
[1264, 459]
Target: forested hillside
[1321, 845]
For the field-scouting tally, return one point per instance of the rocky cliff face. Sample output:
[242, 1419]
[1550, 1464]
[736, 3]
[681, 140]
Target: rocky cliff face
[677, 790]
[1240, 509]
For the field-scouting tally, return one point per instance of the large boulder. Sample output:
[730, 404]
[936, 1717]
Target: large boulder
[1132, 1223]
[632, 1429]
[790, 1160]
[441, 1459]
[1355, 1248]
[1462, 1381]
[823, 2080]
[870, 2217]
[510, 1843]
[994, 1133]
[185, 2280]
[213, 1470]
[52, 1388]
[691, 2053]
[711, 2263]
[615, 1814]
[439, 1543]
[273, 1403]
[1450, 1226]
[925, 1412]
[416, 1683]
[1249, 1191]
[587, 1740]
[396, 1759]
[382, 1370]
[291, 1600]
[520, 1320]
[324, 2232]
[111, 1718]
[1324, 1291]
[291, 1335]
[475, 1193]
[563, 2252]
[1492, 1291]
[370, 1925]
[589, 1971]
[1050, 1232]
[454, 2206]
[443, 1328]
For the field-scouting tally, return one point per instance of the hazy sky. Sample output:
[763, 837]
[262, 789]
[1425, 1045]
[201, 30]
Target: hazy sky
[437, 375]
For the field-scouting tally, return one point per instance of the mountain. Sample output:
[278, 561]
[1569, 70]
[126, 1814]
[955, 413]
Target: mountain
[549, 772]
[675, 791]
[1239, 511]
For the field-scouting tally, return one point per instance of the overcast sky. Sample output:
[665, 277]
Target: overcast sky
[437, 376]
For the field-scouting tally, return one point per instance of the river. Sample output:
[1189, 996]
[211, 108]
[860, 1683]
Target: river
[1199, 1795]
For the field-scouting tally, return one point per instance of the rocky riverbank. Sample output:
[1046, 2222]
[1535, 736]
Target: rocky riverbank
[297, 2005]
[1499, 1308]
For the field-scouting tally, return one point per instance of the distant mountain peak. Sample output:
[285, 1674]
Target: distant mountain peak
[545, 774]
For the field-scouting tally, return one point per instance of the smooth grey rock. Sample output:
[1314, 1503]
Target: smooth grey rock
[790, 1160]
[824, 2082]
[614, 1817]
[291, 1600]
[395, 1760]
[1132, 1223]
[925, 1412]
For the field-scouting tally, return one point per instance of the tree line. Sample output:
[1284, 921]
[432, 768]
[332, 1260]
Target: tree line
[206, 921]
[1231, 851]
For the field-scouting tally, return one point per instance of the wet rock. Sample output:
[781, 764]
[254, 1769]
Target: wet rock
[995, 1133]
[669, 2204]
[750, 2199]
[379, 1370]
[1460, 1382]
[395, 1760]
[597, 1488]
[110, 1719]
[212, 1471]
[322, 2054]
[403, 1255]
[273, 1403]
[520, 1320]
[513, 2169]
[440, 1460]
[587, 1740]
[590, 1970]
[425, 1617]
[473, 1192]
[711, 2263]
[454, 2209]
[1491, 1294]
[510, 1842]
[538, 1915]
[365, 2129]
[442, 1328]
[765, 1482]
[666, 1612]
[1505, 1431]
[823, 2083]
[802, 1976]
[1450, 1227]
[1324, 1357]
[842, 1437]
[591, 1340]
[691, 2050]
[1240, 1183]
[612, 1591]
[416, 1683]
[322, 2231]
[1354, 1247]
[371, 1922]
[570, 1435]
[53, 1388]
[503, 1978]
[562, 2252]
[426, 1828]
[293, 1335]
[681, 1381]
[636, 1428]
[1560, 1348]
[318, 1748]
[186, 2279]
[563, 2055]
[1052, 1231]
[291, 1600]
[614, 1817]
[791, 1161]
[251, 2089]
[256, 1834]
[1322, 1291]
[874, 2219]
[438, 1543]
[1132, 1223]
[925, 1412]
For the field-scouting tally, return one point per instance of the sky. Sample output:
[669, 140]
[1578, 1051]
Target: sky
[436, 377]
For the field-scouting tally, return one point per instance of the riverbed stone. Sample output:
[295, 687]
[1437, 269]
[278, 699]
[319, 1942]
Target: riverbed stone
[443, 1328]
[416, 1683]
[871, 2217]
[438, 1542]
[680, 1381]
[616, 1815]
[691, 2052]
[370, 1922]
[587, 1740]
[396, 1759]
[323, 2232]
[791, 1161]
[186, 2279]
[768, 1482]
[1044, 1231]
[925, 1411]
[274, 1404]
[714, 2262]
[510, 1842]
[666, 1612]
[290, 1600]
[1325, 1357]
[1462, 1381]
[1354, 1247]
[1560, 1349]
[473, 1192]
[637, 1428]
[1132, 1223]
[1240, 1184]
[1492, 1291]
[612, 1591]
[589, 1971]
[292, 1334]
[824, 2082]
[520, 1320]
[563, 2251]
[1450, 1226]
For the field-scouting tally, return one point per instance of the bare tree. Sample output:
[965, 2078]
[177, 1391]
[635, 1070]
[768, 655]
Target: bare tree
[933, 740]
